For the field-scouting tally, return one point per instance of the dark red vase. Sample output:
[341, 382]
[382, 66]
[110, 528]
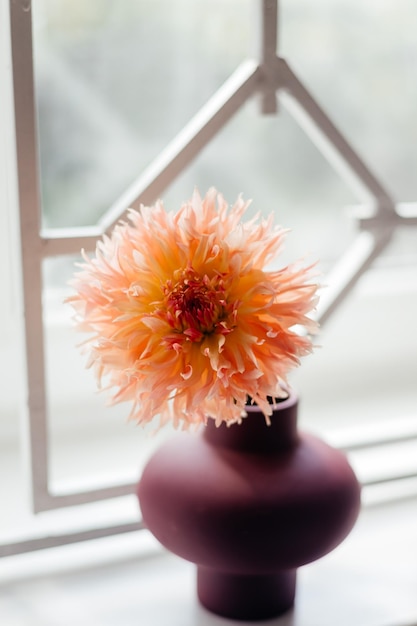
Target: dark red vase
[249, 504]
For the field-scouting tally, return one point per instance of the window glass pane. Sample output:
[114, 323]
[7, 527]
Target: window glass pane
[150, 65]
[91, 443]
[360, 59]
[115, 82]
[363, 372]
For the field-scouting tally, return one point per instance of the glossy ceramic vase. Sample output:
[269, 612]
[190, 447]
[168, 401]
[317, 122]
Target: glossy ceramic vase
[249, 504]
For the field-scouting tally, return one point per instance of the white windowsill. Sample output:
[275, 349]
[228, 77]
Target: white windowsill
[370, 580]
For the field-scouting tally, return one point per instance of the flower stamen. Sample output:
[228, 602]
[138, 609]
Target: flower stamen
[196, 306]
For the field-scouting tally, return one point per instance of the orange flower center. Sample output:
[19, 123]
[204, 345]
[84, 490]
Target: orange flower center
[195, 305]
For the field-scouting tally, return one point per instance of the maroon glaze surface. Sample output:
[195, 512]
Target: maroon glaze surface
[249, 504]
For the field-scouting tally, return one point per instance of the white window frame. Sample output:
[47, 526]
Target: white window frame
[268, 76]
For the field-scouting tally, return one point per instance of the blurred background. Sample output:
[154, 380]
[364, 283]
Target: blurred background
[115, 82]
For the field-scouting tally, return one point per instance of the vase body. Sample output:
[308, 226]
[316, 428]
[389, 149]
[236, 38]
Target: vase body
[249, 504]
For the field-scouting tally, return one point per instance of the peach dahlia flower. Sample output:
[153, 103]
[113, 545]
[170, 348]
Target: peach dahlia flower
[186, 322]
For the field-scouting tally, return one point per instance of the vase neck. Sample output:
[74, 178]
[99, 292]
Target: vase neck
[254, 434]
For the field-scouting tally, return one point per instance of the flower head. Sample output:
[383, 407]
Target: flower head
[186, 321]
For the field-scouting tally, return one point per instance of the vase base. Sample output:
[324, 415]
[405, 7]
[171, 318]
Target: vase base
[246, 597]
